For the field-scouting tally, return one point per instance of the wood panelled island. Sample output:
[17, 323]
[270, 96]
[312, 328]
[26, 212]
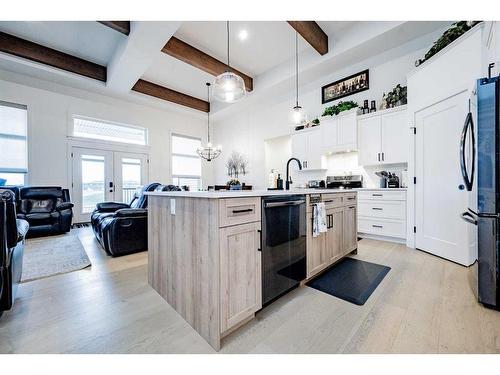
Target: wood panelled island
[205, 259]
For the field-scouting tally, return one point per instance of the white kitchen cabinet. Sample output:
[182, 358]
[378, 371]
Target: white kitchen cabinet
[306, 146]
[339, 133]
[382, 214]
[383, 137]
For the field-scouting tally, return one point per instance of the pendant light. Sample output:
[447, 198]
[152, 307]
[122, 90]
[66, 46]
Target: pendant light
[228, 86]
[298, 115]
[208, 152]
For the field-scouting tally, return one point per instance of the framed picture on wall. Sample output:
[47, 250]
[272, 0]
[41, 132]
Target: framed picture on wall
[346, 86]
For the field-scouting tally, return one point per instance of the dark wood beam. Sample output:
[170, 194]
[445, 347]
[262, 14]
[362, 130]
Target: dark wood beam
[199, 59]
[161, 92]
[32, 51]
[313, 34]
[120, 26]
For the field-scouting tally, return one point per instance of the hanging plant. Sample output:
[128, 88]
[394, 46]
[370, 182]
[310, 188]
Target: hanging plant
[339, 107]
[454, 32]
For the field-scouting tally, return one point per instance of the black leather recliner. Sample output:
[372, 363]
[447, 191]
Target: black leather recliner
[12, 234]
[47, 209]
[122, 228]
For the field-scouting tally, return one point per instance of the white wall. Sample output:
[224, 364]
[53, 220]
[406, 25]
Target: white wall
[246, 131]
[49, 115]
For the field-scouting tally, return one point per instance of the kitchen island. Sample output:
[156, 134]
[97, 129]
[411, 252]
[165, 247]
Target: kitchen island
[205, 255]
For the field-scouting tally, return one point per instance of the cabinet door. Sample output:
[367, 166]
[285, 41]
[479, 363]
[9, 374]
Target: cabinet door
[350, 229]
[369, 141]
[329, 133]
[334, 236]
[347, 132]
[314, 158]
[299, 146]
[395, 138]
[240, 273]
[316, 250]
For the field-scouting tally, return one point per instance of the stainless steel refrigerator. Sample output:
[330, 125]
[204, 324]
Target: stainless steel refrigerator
[480, 160]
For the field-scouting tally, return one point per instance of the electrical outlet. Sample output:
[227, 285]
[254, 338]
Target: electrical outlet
[172, 206]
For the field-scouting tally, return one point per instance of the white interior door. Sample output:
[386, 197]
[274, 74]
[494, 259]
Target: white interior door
[130, 172]
[439, 200]
[92, 180]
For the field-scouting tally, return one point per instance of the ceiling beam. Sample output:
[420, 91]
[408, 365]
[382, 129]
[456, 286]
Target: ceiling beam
[313, 34]
[32, 51]
[120, 26]
[161, 92]
[199, 59]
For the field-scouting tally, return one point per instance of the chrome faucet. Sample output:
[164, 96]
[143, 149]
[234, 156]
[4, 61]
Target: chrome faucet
[288, 179]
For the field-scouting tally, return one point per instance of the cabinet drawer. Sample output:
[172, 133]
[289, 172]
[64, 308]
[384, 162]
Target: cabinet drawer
[350, 199]
[235, 211]
[399, 195]
[382, 227]
[332, 200]
[382, 209]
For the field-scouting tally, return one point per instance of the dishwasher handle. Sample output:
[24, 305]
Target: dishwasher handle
[284, 204]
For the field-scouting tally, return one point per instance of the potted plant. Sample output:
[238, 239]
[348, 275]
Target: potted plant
[398, 96]
[234, 184]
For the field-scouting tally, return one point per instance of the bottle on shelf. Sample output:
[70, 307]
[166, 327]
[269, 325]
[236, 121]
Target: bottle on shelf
[279, 182]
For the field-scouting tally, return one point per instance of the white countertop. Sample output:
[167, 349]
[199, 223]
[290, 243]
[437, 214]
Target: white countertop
[255, 193]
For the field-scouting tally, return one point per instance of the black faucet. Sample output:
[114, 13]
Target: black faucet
[287, 183]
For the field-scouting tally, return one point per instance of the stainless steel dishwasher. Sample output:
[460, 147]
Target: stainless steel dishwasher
[283, 245]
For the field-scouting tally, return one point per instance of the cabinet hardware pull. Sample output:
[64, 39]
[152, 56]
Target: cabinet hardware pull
[377, 208]
[352, 207]
[383, 157]
[377, 226]
[241, 211]
[377, 195]
[378, 156]
[350, 198]
[329, 201]
[260, 240]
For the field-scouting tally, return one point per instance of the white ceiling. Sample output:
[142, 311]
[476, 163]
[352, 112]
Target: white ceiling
[85, 39]
[266, 55]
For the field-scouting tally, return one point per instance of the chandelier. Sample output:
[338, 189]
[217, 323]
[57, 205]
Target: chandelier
[209, 152]
[228, 86]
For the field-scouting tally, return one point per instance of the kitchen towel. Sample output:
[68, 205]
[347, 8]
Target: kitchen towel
[319, 219]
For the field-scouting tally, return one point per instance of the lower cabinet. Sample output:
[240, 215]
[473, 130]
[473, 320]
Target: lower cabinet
[240, 274]
[350, 229]
[335, 234]
[316, 249]
[340, 238]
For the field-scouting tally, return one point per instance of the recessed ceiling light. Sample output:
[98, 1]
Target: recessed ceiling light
[243, 34]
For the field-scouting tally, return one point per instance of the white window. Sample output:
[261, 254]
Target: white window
[186, 164]
[13, 144]
[107, 131]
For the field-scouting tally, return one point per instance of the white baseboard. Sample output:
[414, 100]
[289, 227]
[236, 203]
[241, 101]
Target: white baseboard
[382, 238]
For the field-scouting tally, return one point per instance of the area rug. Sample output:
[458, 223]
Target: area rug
[350, 279]
[49, 256]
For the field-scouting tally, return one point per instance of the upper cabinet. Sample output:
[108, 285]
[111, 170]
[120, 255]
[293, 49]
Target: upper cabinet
[339, 133]
[383, 137]
[306, 146]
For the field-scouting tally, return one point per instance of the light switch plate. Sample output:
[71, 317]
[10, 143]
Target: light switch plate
[172, 206]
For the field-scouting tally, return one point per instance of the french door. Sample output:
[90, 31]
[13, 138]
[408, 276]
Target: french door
[101, 176]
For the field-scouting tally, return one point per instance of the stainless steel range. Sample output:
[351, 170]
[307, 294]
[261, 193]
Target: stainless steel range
[344, 182]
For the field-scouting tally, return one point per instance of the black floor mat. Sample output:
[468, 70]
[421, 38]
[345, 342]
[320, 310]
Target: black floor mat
[351, 280]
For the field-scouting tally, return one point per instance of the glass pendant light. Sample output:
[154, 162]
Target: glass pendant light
[298, 115]
[228, 86]
[208, 152]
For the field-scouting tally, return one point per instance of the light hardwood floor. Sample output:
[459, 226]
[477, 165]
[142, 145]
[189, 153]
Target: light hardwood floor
[424, 305]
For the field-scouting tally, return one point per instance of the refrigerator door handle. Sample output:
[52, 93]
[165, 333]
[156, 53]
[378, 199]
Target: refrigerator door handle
[468, 180]
[468, 217]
